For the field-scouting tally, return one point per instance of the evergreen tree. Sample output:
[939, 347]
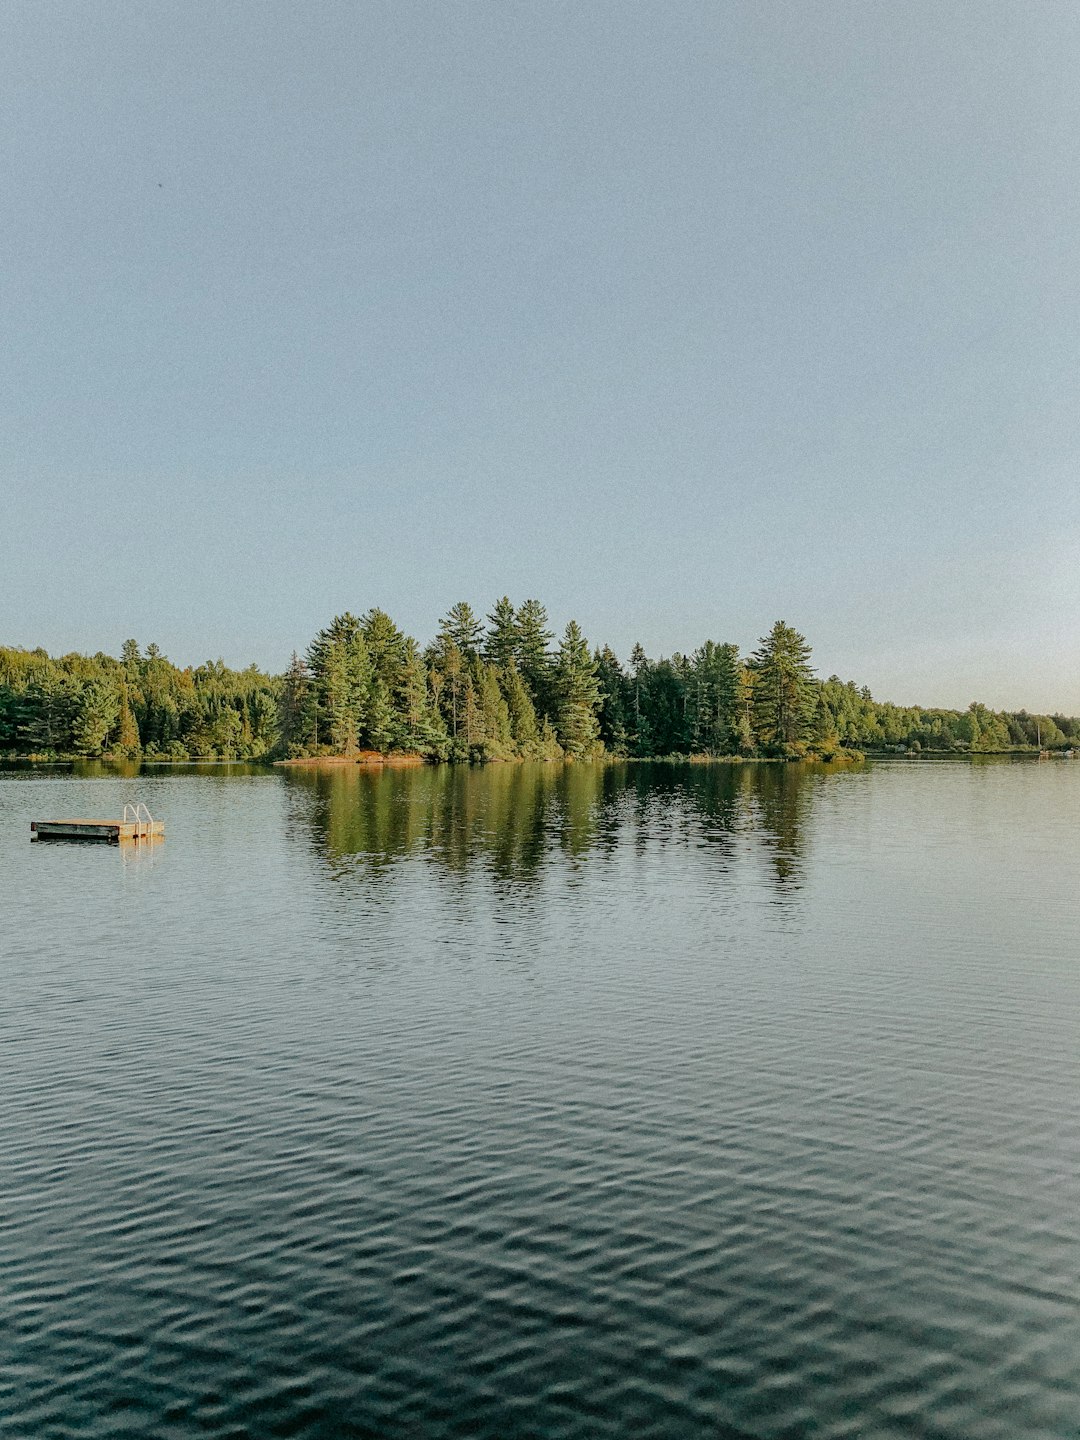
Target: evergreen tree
[641, 733]
[339, 703]
[91, 705]
[417, 725]
[470, 738]
[128, 733]
[548, 747]
[714, 693]
[495, 741]
[367, 683]
[385, 646]
[380, 720]
[533, 654]
[615, 717]
[784, 690]
[500, 642]
[50, 707]
[448, 681]
[97, 712]
[577, 695]
[460, 625]
[129, 659]
[297, 708]
[524, 726]
[341, 671]
[664, 697]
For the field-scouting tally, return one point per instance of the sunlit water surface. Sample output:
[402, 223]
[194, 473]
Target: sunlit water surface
[528, 1101]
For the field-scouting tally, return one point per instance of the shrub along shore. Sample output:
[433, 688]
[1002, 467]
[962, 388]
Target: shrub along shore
[493, 689]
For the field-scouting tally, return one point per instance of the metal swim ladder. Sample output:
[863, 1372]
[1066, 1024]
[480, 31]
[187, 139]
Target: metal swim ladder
[141, 818]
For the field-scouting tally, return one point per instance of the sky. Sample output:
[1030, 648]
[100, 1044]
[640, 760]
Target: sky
[682, 318]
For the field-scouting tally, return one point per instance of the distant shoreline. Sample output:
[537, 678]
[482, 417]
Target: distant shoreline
[363, 757]
[483, 691]
[374, 761]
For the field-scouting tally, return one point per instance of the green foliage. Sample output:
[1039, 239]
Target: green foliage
[495, 739]
[385, 646]
[500, 642]
[716, 696]
[97, 713]
[479, 696]
[448, 682]
[418, 727]
[297, 709]
[138, 705]
[532, 654]
[521, 712]
[784, 692]
[461, 626]
[615, 717]
[577, 695]
[342, 674]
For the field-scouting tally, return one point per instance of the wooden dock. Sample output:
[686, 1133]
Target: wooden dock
[138, 825]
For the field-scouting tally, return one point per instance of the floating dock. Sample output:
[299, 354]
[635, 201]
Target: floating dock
[137, 825]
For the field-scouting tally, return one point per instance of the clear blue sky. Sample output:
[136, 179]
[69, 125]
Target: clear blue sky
[681, 317]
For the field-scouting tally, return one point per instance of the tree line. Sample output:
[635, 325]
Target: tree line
[139, 706]
[500, 688]
[491, 688]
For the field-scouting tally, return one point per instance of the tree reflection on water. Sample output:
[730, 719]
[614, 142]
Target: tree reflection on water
[516, 820]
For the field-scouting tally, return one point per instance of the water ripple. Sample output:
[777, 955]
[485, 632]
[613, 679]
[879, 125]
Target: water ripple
[656, 1101]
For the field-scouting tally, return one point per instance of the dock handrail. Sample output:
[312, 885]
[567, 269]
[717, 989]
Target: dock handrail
[144, 829]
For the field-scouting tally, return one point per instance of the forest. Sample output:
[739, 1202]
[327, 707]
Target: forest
[484, 689]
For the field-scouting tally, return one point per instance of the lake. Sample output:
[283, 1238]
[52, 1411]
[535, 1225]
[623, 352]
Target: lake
[638, 1100]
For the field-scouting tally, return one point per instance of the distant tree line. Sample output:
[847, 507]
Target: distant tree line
[137, 706]
[497, 688]
[500, 688]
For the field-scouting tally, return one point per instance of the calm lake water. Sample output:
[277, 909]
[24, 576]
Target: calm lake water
[540, 1101]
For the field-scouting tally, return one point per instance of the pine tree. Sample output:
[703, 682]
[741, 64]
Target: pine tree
[338, 700]
[50, 706]
[642, 732]
[385, 646]
[417, 725]
[524, 726]
[826, 731]
[128, 733]
[96, 713]
[341, 670]
[226, 733]
[470, 738]
[379, 721]
[296, 708]
[577, 695]
[500, 642]
[460, 625]
[533, 655]
[784, 690]
[547, 745]
[496, 742]
[447, 682]
[713, 691]
[129, 659]
[615, 702]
